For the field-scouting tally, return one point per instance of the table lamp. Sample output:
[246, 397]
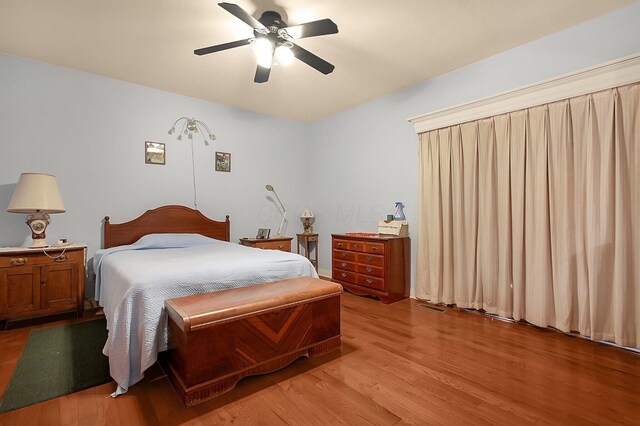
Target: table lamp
[38, 196]
[307, 218]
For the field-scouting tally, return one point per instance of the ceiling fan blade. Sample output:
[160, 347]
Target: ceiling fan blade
[262, 74]
[241, 14]
[225, 46]
[312, 29]
[312, 60]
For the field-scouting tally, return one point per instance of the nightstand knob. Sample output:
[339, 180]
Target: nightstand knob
[18, 261]
[43, 282]
[61, 258]
[281, 246]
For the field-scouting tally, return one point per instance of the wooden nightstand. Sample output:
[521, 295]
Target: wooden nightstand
[275, 243]
[310, 244]
[36, 282]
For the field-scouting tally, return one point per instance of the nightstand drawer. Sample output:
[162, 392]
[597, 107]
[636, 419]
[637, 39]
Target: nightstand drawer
[278, 243]
[22, 259]
[275, 245]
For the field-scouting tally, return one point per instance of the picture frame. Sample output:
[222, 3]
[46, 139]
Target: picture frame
[223, 161]
[263, 233]
[154, 153]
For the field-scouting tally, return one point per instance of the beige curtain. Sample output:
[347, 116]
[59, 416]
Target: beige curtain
[535, 215]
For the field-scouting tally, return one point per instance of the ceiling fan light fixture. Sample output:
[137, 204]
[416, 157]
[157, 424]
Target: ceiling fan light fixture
[284, 55]
[263, 49]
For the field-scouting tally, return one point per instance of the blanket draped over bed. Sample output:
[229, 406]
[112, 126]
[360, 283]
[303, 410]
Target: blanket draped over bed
[133, 281]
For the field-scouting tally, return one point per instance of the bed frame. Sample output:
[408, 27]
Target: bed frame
[167, 219]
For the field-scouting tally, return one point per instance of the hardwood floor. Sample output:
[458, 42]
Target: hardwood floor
[399, 364]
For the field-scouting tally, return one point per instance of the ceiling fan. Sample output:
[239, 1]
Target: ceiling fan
[272, 37]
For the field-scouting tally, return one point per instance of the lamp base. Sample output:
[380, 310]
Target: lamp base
[306, 224]
[38, 222]
[39, 243]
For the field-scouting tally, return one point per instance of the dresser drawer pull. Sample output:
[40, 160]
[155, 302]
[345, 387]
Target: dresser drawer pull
[281, 246]
[19, 261]
[343, 264]
[357, 245]
[369, 258]
[369, 269]
[369, 281]
[344, 254]
[343, 275]
[61, 258]
[374, 248]
[339, 244]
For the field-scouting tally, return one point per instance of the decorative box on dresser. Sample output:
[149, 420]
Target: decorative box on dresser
[275, 243]
[372, 266]
[36, 282]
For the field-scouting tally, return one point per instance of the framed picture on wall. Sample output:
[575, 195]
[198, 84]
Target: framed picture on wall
[154, 153]
[223, 161]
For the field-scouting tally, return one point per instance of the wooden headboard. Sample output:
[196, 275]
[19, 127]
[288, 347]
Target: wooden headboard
[166, 219]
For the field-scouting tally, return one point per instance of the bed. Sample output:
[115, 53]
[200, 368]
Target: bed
[170, 252]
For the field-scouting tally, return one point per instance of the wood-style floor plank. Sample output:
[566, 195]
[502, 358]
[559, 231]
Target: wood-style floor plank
[399, 364]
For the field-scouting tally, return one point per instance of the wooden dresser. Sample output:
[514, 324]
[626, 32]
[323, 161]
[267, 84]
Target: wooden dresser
[33, 284]
[275, 243]
[374, 266]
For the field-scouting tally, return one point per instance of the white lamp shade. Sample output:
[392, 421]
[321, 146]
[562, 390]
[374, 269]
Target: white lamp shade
[306, 213]
[36, 193]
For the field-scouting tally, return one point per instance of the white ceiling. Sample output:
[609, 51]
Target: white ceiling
[383, 46]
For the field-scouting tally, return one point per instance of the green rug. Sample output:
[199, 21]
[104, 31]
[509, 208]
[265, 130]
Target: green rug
[58, 361]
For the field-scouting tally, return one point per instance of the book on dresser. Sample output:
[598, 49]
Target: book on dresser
[377, 266]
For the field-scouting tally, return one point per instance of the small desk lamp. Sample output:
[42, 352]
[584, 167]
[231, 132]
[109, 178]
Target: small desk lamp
[37, 195]
[284, 211]
[307, 219]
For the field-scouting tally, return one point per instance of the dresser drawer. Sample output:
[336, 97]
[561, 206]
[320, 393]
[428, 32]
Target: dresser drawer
[356, 246]
[343, 264]
[370, 259]
[339, 274]
[344, 255]
[340, 244]
[369, 270]
[377, 248]
[369, 281]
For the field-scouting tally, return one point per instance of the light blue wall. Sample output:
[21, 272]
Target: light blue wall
[367, 158]
[90, 132]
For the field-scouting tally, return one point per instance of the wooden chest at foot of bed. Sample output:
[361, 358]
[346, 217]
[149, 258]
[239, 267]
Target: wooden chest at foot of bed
[216, 339]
